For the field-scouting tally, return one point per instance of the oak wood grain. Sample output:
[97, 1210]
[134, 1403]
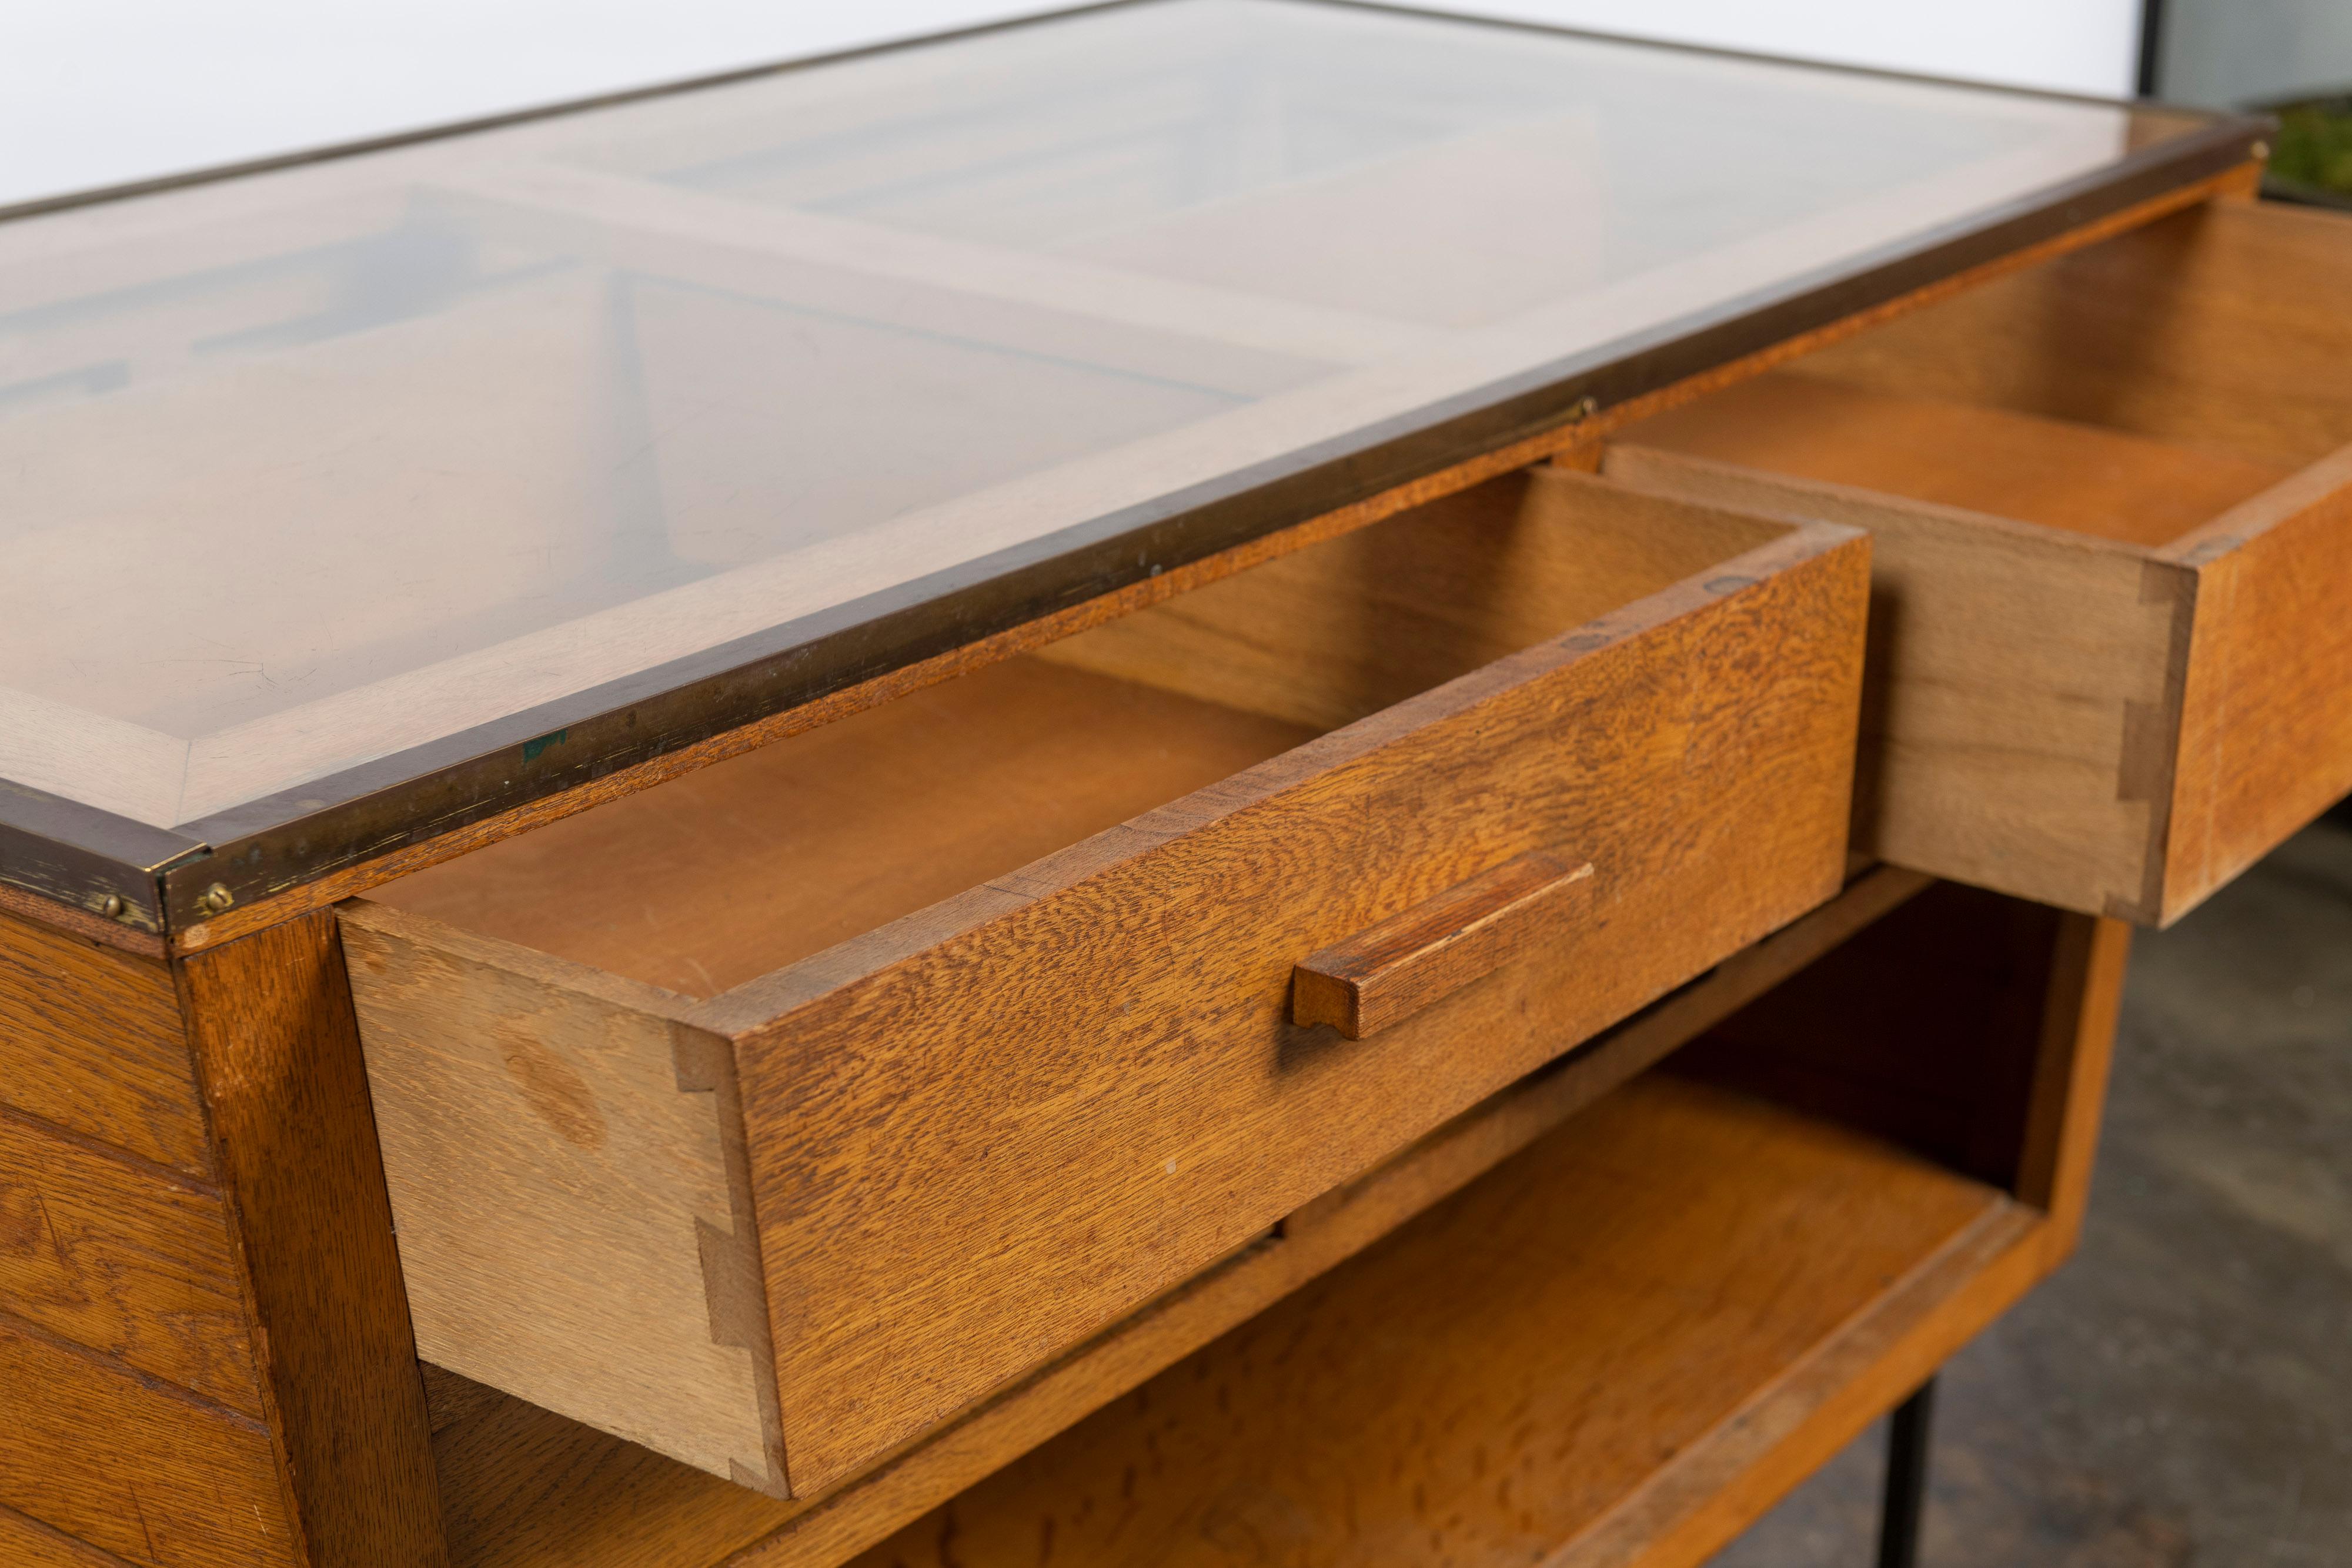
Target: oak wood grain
[73, 921]
[2264, 734]
[436, 846]
[1026, 1192]
[2048, 995]
[1326, 636]
[2021, 687]
[1402, 964]
[1963, 978]
[1703, 1497]
[2223, 328]
[90, 1040]
[526, 1486]
[28, 1543]
[127, 1260]
[132, 1465]
[2060, 473]
[1191, 1496]
[269, 1018]
[523, 1485]
[2179, 388]
[2077, 1048]
[761, 860]
[1009, 1228]
[1489, 1382]
[586, 1130]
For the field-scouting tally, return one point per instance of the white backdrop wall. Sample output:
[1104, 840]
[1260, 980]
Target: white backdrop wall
[98, 93]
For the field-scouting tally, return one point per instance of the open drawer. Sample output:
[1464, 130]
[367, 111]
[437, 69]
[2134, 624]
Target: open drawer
[2111, 664]
[772, 1116]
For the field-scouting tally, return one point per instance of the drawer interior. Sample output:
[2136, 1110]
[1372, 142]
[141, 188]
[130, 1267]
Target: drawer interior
[2136, 390]
[713, 879]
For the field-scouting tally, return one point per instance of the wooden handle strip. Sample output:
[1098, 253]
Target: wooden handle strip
[1390, 970]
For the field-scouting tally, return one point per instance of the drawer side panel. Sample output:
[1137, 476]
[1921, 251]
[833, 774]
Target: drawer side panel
[556, 1148]
[2017, 718]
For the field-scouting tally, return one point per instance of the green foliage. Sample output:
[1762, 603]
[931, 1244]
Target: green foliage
[2315, 145]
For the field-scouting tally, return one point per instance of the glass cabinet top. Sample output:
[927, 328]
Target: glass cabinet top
[317, 480]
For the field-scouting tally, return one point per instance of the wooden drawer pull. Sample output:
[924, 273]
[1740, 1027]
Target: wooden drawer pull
[1387, 971]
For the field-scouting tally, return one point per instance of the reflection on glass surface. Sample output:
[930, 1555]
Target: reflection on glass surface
[302, 470]
[1278, 149]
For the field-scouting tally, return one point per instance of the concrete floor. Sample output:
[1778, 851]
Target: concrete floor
[2181, 1393]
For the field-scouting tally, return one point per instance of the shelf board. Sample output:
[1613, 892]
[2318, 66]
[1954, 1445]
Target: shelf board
[1570, 1361]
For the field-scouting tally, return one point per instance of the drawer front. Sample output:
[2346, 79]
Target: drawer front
[2266, 730]
[2113, 510]
[973, 1147]
[780, 1232]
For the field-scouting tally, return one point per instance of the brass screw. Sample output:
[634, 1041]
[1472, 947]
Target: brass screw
[215, 899]
[2261, 151]
[110, 907]
[1586, 407]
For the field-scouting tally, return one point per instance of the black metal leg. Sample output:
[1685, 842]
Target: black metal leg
[1906, 1478]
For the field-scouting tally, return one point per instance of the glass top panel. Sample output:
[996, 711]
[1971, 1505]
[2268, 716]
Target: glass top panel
[303, 470]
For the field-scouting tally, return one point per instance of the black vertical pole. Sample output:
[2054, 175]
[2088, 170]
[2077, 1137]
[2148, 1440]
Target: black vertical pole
[1906, 1478]
[2152, 47]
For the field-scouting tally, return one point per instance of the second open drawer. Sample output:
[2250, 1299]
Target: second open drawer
[774, 1115]
[2112, 497]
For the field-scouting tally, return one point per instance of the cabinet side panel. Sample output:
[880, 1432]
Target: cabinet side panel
[125, 1259]
[132, 1465]
[28, 1543]
[90, 1041]
[130, 1392]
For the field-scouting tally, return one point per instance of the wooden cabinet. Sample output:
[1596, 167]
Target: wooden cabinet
[779, 1230]
[1016, 756]
[2112, 498]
